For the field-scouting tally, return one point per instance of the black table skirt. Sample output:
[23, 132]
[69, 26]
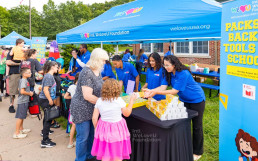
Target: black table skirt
[155, 140]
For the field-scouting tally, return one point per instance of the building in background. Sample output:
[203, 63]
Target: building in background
[204, 52]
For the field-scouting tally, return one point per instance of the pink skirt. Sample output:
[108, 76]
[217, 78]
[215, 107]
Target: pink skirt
[111, 141]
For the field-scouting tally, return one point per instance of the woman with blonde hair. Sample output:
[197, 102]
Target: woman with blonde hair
[82, 105]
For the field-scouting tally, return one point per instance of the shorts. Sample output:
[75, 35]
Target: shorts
[14, 84]
[22, 109]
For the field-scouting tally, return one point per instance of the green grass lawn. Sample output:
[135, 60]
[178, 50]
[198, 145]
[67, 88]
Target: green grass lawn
[210, 123]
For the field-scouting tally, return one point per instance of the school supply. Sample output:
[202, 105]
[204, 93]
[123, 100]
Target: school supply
[34, 108]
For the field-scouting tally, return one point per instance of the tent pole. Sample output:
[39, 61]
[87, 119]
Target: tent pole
[101, 45]
[170, 47]
[216, 52]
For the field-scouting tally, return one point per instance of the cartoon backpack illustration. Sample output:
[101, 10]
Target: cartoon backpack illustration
[247, 146]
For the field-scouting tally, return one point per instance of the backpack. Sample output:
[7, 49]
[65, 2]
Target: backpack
[25, 64]
[34, 108]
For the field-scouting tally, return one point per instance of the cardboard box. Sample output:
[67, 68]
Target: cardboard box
[215, 82]
[200, 79]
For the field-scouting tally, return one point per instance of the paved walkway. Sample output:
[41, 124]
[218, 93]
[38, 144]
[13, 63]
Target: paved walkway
[28, 149]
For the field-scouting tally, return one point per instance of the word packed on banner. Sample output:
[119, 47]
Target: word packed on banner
[238, 137]
[39, 43]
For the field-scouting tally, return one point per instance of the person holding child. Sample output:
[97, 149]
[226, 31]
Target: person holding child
[46, 99]
[112, 137]
[13, 76]
[82, 104]
[23, 104]
[69, 95]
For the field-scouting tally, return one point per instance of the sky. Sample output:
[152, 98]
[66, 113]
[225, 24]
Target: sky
[38, 4]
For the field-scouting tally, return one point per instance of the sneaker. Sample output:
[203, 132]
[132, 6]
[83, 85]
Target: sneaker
[6, 95]
[2, 95]
[19, 136]
[50, 132]
[92, 159]
[47, 144]
[5, 77]
[11, 109]
[196, 157]
[70, 146]
[55, 125]
[25, 131]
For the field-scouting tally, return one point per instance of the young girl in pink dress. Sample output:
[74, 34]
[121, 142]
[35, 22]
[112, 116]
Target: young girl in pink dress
[112, 137]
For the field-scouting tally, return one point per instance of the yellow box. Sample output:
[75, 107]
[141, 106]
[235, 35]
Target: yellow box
[141, 94]
[162, 111]
[164, 102]
[138, 102]
[148, 105]
[158, 114]
[155, 104]
[162, 108]
[169, 97]
[151, 100]
[152, 109]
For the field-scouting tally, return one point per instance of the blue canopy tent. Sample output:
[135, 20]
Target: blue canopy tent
[11, 39]
[146, 21]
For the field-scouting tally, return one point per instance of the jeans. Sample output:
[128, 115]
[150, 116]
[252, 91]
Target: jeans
[32, 88]
[84, 140]
[197, 126]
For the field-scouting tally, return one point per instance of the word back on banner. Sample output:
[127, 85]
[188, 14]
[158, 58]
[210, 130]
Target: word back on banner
[39, 43]
[239, 80]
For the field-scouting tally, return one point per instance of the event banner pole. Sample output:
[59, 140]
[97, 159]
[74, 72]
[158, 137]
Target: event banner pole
[39, 43]
[239, 81]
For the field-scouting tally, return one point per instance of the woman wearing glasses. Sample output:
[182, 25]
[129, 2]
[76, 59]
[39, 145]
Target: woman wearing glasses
[179, 77]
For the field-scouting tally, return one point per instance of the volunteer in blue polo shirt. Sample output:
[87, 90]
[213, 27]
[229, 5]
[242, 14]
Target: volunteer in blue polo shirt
[83, 58]
[169, 52]
[126, 56]
[189, 92]
[126, 71]
[154, 75]
[140, 59]
[72, 70]
[107, 72]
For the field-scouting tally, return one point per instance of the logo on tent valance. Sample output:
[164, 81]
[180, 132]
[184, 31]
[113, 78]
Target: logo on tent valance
[128, 12]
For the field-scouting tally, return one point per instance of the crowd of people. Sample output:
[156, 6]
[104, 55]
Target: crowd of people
[96, 107]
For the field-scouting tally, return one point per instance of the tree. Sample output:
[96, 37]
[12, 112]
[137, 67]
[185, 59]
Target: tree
[19, 21]
[50, 20]
[4, 21]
